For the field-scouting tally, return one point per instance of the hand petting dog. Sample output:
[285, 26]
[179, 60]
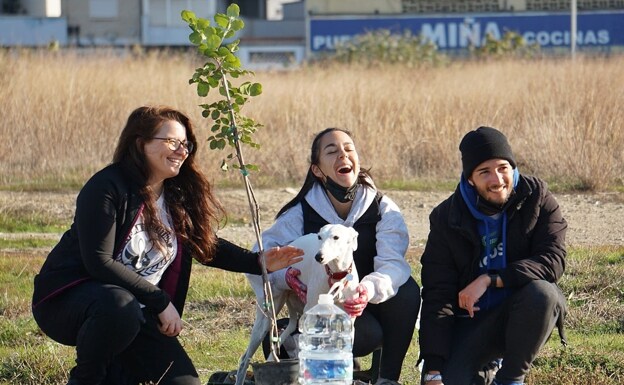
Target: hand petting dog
[277, 258]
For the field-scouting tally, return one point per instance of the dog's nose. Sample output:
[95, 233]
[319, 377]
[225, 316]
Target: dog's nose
[319, 257]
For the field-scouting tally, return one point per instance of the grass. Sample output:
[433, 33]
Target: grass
[562, 117]
[220, 309]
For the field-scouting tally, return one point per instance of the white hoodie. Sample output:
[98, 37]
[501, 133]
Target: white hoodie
[391, 270]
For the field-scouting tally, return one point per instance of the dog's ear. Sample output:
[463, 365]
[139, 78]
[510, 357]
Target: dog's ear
[354, 238]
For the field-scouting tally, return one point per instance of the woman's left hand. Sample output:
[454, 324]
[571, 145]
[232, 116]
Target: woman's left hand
[278, 258]
[355, 306]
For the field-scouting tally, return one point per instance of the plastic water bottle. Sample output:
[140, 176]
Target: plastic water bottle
[325, 345]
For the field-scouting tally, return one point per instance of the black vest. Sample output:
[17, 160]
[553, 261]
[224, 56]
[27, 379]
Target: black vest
[366, 227]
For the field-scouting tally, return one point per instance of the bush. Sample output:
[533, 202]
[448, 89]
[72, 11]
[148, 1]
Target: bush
[511, 44]
[379, 47]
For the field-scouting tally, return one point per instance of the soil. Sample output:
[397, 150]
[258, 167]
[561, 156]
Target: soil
[593, 219]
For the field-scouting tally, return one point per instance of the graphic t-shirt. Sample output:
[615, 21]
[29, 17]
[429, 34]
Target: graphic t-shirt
[142, 256]
[492, 259]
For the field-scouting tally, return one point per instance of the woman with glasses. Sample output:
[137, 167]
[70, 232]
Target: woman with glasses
[115, 284]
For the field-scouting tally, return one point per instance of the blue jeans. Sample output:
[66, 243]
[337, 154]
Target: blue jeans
[116, 341]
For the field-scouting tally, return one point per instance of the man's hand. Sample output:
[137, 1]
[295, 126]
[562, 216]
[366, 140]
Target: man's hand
[471, 294]
[300, 288]
[170, 322]
[355, 306]
[278, 258]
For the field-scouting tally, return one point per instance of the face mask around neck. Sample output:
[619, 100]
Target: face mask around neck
[342, 194]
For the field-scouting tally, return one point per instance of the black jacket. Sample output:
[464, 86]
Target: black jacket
[535, 251]
[106, 209]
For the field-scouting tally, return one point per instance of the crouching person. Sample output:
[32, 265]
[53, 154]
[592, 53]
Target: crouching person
[489, 270]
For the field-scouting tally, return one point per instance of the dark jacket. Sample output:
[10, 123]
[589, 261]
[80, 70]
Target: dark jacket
[106, 209]
[535, 251]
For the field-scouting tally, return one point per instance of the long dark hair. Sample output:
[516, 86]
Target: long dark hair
[195, 211]
[364, 177]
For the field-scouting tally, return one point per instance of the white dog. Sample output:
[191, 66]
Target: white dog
[328, 255]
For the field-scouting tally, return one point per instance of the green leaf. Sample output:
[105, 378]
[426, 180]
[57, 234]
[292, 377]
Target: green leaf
[213, 42]
[209, 31]
[256, 89]
[202, 89]
[214, 83]
[233, 10]
[237, 25]
[203, 24]
[252, 167]
[213, 144]
[244, 88]
[233, 46]
[205, 113]
[195, 38]
[233, 61]
[224, 51]
[221, 20]
[215, 127]
[188, 16]
[221, 144]
[230, 33]
[215, 114]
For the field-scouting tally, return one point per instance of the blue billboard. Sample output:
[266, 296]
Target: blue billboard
[594, 29]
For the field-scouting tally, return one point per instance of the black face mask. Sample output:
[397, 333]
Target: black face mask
[342, 194]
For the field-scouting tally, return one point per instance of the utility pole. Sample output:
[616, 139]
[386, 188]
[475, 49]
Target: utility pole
[573, 28]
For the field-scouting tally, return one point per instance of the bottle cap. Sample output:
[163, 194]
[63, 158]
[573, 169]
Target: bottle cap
[326, 299]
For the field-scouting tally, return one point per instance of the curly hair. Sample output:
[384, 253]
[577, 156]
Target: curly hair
[195, 211]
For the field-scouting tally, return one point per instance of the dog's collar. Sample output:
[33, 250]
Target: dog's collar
[337, 276]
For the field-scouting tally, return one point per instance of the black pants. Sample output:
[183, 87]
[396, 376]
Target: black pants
[515, 331]
[117, 343]
[390, 326]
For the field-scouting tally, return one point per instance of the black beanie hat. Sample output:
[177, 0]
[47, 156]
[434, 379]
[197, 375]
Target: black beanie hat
[483, 144]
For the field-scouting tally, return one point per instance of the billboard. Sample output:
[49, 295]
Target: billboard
[459, 31]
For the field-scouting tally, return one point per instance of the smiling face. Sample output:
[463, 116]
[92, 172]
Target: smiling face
[337, 159]
[493, 180]
[163, 162]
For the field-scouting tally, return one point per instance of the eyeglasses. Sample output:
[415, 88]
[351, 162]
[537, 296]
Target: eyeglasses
[174, 144]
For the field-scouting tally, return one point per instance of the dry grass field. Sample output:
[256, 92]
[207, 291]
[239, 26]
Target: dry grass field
[62, 112]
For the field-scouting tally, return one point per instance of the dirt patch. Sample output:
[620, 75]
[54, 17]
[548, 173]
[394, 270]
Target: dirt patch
[593, 219]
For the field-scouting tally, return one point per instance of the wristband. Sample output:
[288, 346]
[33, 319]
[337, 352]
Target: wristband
[433, 377]
[493, 279]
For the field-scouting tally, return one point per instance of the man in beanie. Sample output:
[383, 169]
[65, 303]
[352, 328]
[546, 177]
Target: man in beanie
[489, 270]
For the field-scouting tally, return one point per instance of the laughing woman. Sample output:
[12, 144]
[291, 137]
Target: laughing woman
[337, 191]
[115, 284]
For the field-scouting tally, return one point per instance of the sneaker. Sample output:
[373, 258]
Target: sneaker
[509, 383]
[488, 372]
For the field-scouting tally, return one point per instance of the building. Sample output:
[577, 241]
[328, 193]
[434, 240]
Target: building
[279, 32]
